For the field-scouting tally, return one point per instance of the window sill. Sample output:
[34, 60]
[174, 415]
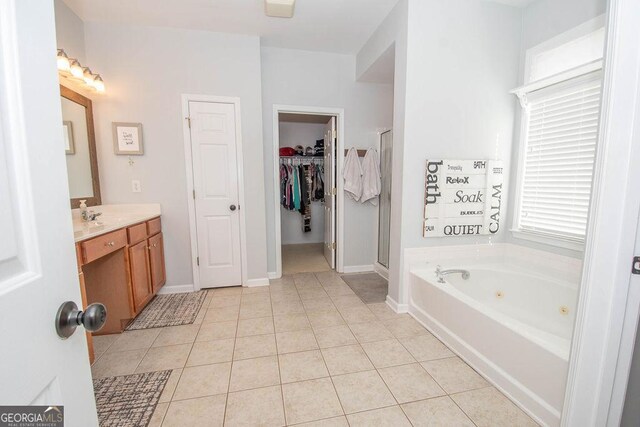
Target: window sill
[559, 242]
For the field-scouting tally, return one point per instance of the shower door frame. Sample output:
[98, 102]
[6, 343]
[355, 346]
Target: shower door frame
[377, 267]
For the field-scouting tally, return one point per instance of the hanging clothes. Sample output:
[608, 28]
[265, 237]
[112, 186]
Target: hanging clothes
[371, 183]
[317, 192]
[300, 185]
[352, 175]
[296, 189]
[306, 198]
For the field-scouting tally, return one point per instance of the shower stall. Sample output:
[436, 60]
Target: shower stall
[384, 207]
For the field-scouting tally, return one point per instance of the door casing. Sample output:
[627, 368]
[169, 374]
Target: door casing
[339, 210]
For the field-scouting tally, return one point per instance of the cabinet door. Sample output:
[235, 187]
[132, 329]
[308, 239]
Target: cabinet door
[140, 282]
[156, 262]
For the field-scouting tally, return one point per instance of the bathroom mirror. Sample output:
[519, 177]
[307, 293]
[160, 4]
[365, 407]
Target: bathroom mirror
[80, 148]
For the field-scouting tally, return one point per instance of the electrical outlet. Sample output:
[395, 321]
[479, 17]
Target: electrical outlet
[135, 186]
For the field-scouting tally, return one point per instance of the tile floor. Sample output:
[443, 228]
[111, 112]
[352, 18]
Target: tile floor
[303, 258]
[305, 351]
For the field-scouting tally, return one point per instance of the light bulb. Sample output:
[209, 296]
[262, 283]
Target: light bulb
[63, 61]
[98, 83]
[76, 69]
[87, 76]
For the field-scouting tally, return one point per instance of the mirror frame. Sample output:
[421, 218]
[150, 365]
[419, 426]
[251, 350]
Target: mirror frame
[71, 95]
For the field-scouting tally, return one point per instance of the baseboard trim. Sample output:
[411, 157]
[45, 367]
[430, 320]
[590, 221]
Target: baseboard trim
[175, 289]
[381, 270]
[395, 306]
[251, 283]
[358, 268]
[273, 275]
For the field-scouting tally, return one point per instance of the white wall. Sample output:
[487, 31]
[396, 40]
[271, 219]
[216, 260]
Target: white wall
[146, 69]
[462, 60]
[544, 19]
[69, 32]
[305, 134]
[392, 33]
[297, 77]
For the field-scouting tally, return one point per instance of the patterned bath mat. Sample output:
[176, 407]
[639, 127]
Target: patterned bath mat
[129, 400]
[169, 310]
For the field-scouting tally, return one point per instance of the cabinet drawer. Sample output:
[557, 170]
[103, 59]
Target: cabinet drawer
[137, 233]
[103, 245]
[153, 226]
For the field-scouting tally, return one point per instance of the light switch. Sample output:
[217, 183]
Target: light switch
[135, 186]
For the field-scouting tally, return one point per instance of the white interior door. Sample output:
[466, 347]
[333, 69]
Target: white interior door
[38, 270]
[215, 179]
[330, 138]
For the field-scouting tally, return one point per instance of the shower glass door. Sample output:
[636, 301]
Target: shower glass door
[384, 207]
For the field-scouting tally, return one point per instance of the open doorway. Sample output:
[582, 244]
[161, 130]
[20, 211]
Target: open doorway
[307, 141]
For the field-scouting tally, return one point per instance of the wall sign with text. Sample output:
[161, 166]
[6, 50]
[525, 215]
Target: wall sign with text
[462, 197]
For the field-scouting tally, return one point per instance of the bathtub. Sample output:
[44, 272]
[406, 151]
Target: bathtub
[512, 320]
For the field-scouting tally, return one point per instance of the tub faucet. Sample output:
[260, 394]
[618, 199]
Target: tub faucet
[440, 273]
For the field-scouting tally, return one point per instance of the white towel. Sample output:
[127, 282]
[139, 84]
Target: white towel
[371, 183]
[352, 175]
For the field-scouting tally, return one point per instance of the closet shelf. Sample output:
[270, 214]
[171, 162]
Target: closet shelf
[301, 157]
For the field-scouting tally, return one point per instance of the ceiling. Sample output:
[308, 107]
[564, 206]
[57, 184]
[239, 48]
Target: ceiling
[340, 26]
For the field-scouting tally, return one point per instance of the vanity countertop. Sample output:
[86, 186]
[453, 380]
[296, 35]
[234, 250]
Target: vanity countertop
[113, 218]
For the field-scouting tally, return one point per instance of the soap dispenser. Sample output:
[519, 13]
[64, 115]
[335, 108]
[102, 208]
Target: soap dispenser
[83, 210]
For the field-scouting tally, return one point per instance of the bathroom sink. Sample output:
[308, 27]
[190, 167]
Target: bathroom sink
[87, 227]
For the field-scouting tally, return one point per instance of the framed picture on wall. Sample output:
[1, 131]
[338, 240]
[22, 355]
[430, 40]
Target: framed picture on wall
[69, 145]
[127, 138]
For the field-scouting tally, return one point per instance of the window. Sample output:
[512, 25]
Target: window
[561, 109]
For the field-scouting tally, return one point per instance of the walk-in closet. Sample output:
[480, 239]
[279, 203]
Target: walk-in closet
[305, 178]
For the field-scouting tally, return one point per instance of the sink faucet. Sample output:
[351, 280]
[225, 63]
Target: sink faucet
[440, 273]
[90, 215]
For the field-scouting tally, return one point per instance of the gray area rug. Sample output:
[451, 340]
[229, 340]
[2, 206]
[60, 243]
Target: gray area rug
[370, 287]
[129, 400]
[169, 310]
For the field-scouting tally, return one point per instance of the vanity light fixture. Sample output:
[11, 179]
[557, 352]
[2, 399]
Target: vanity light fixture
[98, 83]
[76, 69]
[74, 72]
[64, 65]
[87, 76]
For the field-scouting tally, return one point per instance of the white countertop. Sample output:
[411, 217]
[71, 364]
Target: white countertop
[113, 218]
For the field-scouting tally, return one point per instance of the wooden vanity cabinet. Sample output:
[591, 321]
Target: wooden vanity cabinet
[146, 259]
[156, 262]
[139, 267]
[123, 269]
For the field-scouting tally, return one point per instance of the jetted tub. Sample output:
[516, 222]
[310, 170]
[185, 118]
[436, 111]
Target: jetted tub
[512, 319]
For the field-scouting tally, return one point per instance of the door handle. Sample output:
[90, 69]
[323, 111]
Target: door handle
[232, 207]
[69, 318]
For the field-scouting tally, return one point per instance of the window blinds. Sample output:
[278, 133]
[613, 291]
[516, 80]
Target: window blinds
[562, 130]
